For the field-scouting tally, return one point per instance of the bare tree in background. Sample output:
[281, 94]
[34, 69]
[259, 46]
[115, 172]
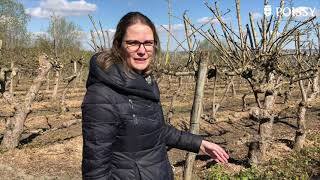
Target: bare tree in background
[259, 61]
[103, 37]
[305, 60]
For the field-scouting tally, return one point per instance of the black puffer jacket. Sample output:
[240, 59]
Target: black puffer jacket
[124, 133]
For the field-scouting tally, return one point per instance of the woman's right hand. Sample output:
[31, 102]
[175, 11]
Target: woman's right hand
[216, 152]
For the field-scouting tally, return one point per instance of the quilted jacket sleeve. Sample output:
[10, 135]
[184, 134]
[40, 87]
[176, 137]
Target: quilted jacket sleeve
[99, 128]
[181, 139]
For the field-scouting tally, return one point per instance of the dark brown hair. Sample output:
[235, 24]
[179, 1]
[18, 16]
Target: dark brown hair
[117, 53]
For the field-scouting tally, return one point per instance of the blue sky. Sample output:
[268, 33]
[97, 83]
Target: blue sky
[110, 11]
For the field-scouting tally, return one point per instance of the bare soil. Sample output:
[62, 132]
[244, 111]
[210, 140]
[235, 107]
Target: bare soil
[55, 153]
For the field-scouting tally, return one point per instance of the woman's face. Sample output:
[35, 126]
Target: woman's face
[139, 45]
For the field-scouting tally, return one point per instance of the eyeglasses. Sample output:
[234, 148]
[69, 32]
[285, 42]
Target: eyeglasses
[134, 45]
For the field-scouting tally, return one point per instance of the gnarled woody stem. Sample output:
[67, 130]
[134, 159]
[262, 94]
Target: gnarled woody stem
[14, 125]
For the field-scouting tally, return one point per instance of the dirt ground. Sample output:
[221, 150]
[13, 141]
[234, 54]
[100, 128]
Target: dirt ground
[55, 153]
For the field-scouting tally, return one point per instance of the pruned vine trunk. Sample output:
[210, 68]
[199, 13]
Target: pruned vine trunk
[70, 79]
[234, 92]
[265, 132]
[80, 75]
[215, 106]
[315, 89]
[173, 98]
[303, 105]
[48, 82]
[301, 120]
[3, 79]
[196, 112]
[75, 72]
[2, 76]
[56, 86]
[244, 102]
[301, 131]
[259, 147]
[12, 75]
[14, 125]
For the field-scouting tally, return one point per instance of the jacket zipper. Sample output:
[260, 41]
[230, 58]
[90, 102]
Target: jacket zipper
[134, 116]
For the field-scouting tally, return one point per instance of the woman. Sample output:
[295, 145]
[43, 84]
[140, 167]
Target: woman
[124, 133]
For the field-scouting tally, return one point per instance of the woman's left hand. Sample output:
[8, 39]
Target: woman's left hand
[216, 152]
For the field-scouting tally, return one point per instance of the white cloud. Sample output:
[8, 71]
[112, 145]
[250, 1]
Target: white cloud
[81, 34]
[205, 20]
[256, 15]
[88, 37]
[174, 27]
[110, 32]
[40, 33]
[61, 8]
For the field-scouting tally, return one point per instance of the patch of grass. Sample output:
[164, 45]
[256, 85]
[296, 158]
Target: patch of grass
[217, 172]
[248, 173]
[302, 164]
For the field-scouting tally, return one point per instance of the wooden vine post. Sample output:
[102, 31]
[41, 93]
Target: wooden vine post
[196, 111]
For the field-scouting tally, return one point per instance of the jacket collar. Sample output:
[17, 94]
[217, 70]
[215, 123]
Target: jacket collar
[115, 78]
